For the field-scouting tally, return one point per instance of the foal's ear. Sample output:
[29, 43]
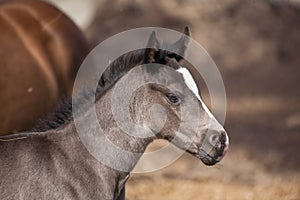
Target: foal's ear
[187, 31]
[153, 46]
[181, 45]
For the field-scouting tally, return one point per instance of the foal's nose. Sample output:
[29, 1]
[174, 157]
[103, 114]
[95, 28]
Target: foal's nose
[214, 147]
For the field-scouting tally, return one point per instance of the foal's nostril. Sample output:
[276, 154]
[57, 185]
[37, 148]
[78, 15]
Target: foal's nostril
[214, 139]
[218, 138]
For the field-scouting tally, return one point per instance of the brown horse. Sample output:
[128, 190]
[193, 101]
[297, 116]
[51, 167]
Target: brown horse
[41, 51]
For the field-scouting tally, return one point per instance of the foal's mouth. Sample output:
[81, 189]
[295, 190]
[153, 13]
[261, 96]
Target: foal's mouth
[212, 158]
[208, 159]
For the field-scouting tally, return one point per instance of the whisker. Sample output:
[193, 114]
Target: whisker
[219, 166]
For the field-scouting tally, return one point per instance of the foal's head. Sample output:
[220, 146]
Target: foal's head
[171, 107]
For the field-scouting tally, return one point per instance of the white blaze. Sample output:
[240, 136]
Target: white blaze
[190, 82]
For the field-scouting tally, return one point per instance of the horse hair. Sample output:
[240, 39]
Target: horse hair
[115, 71]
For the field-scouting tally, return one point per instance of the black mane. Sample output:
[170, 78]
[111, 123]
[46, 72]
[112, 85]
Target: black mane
[116, 70]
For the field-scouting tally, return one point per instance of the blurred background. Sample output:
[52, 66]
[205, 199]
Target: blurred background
[255, 44]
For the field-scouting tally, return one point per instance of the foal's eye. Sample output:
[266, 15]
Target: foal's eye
[174, 99]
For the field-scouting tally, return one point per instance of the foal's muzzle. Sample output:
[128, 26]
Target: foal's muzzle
[214, 148]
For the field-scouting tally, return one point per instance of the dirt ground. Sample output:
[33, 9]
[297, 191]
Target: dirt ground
[255, 45]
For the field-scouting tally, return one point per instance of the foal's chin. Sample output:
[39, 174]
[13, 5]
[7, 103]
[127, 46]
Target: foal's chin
[209, 159]
[213, 158]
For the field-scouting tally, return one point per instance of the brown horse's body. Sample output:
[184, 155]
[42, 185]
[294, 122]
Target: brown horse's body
[41, 50]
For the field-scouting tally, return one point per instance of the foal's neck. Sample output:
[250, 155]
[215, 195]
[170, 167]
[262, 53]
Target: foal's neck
[132, 142]
[120, 147]
[117, 165]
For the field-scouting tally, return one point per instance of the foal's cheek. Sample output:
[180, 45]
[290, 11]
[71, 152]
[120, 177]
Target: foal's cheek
[158, 115]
